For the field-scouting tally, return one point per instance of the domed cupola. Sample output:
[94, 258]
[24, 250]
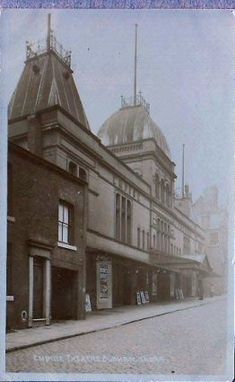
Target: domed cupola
[132, 123]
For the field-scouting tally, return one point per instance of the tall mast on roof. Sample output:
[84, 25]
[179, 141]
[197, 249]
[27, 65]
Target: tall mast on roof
[183, 172]
[49, 32]
[135, 65]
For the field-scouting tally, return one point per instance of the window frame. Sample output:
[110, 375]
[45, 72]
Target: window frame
[123, 218]
[68, 224]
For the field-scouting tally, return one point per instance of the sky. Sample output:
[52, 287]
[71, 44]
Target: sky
[186, 62]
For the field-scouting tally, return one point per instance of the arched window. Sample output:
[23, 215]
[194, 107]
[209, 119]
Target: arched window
[82, 174]
[73, 168]
[162, 242]
[154, 241]
[162, 191]
[167, 195]
[157, 186]
[158, 224]
[168, 239]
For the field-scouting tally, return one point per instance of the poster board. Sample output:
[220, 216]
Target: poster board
[138, 298]
[88, 303]
[142, 295]
[104, 284]
[146, 294]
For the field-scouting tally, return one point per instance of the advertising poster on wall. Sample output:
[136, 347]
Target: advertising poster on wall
[104, 284]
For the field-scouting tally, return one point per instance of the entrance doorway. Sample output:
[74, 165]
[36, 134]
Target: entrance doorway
[64, 294]
[38, 287]
[163, 286]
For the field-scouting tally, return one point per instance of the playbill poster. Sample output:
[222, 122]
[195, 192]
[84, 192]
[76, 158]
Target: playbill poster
[117, 189]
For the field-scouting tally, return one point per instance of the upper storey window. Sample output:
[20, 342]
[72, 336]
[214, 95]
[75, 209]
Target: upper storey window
[82, 174]
[73, 168]
[65, 222]
[187, 245]
[123, 219]
[162, 191]
[157, 187]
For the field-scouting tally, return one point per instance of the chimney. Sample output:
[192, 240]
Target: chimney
[34, 135]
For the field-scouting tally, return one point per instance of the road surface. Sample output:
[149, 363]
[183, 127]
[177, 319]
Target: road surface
[188, 342]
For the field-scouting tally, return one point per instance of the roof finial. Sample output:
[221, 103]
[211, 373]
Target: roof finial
[135, 65]
[49, 32]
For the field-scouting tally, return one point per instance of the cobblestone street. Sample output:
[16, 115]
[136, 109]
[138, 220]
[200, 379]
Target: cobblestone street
[186, 342]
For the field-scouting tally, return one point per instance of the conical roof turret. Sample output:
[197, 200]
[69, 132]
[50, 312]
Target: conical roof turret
[46, 81]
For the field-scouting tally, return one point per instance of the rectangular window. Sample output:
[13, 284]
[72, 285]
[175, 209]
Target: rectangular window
[118, 207]
[159, 240]
[128, 221]
[123, 219]
[65, 223]
[138, 237]
[143, 239]
[148, 241]
[154, 241]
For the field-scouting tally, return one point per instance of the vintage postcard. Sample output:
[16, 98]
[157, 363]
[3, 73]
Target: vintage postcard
[117, 184]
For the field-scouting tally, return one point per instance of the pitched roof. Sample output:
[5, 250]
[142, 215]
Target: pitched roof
[46, 81]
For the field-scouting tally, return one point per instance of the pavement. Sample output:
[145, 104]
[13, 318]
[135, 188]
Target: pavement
[97, 321]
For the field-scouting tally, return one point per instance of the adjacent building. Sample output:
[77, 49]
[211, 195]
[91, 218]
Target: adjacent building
[46, 241]
[214, 221]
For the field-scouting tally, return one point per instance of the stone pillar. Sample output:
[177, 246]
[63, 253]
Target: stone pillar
[79, 296]
[133, 276]
[47, 291]
[30, 312]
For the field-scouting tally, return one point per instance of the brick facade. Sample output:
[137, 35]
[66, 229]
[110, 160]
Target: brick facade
[36, 188]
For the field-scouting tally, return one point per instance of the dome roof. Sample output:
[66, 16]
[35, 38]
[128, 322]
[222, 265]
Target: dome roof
[131, 124]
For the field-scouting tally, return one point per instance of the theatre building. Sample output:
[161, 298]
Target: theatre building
[116, 191]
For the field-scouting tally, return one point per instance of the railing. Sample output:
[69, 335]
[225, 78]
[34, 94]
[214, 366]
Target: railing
[135, 101]
[43, 46]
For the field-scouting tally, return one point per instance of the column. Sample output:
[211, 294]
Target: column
[47, 291]
[30, 312]
[80, 294]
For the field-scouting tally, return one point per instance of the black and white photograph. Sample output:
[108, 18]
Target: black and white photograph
[117, 161]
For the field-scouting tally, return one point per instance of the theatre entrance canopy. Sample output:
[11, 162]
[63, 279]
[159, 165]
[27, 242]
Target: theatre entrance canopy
[194, 262]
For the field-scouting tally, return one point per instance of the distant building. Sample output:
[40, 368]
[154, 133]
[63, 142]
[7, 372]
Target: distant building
[134, 237]
[214, 221]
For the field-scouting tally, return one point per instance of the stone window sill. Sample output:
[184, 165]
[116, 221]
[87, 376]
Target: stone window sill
[11, 219]
[10, 298]
[67, 246]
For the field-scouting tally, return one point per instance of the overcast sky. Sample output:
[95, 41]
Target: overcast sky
[186, 61]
